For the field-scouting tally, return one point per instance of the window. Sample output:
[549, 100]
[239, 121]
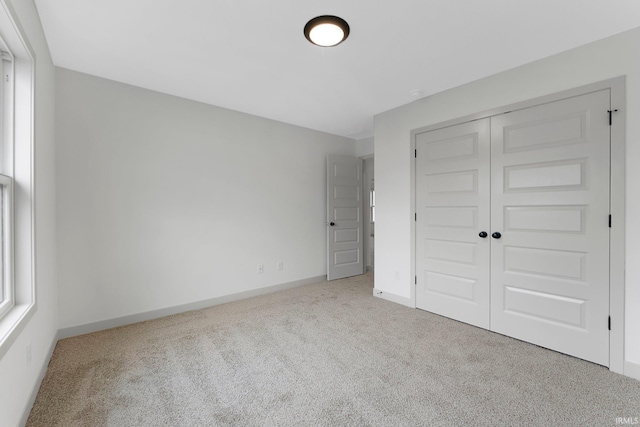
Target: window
[7, 291]
[17, 257]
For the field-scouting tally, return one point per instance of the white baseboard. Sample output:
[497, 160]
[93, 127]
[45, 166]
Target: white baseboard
[155, 314]
[632, 370]
[393, 298]
[36, 386]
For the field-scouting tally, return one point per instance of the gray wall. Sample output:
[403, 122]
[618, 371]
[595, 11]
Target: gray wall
[164, 201]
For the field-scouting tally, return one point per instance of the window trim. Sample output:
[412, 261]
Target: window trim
[7, 283]
[23, 172]
[6, 240]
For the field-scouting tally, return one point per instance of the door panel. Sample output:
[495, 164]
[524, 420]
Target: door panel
[541, 178]
[550, 201]
[344, 210]
[452, 200]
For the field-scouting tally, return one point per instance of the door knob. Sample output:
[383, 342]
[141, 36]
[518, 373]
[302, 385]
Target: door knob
[332, 223]
[496, 235]
[483, 234]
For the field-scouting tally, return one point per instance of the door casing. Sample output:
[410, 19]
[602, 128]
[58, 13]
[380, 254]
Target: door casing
[617, 233]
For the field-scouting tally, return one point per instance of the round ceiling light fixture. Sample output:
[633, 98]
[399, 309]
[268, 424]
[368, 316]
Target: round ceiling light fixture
[326, 30]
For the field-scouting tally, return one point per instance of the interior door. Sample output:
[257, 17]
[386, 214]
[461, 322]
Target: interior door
[344, 217]
[537, 180]
[452, 210]
[550, 203]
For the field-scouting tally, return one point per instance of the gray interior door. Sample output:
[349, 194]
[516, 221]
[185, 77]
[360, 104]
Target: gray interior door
[344, 217]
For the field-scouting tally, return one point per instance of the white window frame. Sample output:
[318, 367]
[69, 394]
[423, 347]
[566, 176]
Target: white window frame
[7, 285]
[17, 177]
[6, 241]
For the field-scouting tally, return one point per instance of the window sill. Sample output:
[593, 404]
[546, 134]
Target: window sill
[12, 324]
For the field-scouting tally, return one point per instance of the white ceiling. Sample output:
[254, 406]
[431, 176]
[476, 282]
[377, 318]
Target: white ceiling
[252, 56]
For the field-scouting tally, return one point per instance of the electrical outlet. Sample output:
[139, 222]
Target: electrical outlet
[280, 265]
[260, 268]
[28, 354]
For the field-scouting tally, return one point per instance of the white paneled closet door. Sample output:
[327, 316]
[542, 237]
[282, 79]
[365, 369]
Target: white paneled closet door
[550, 201]
[452, 186]
[536, 181]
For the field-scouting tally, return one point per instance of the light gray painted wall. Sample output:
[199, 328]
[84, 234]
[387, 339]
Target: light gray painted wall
[601, 60]
[164, 201]
[364, 147]
[17, 378]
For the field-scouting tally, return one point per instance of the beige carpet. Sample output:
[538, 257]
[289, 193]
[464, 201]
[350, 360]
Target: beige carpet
[328, 354]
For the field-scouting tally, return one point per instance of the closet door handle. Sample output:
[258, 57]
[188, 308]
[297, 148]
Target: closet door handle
[496, 235]
[483, 234]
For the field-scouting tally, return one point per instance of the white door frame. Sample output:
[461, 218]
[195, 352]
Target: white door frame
[617, 86]
[368, 230]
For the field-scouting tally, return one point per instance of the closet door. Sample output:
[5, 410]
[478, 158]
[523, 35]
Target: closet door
[550, 203]
[452, 207]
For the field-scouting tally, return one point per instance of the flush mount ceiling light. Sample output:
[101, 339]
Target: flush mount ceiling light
[326, 31]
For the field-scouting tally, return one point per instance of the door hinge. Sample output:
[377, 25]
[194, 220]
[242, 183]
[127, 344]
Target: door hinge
[415, 153]
[609, 221]
[611, 116]
[415, 216]
[415, 281]
[609, 325]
